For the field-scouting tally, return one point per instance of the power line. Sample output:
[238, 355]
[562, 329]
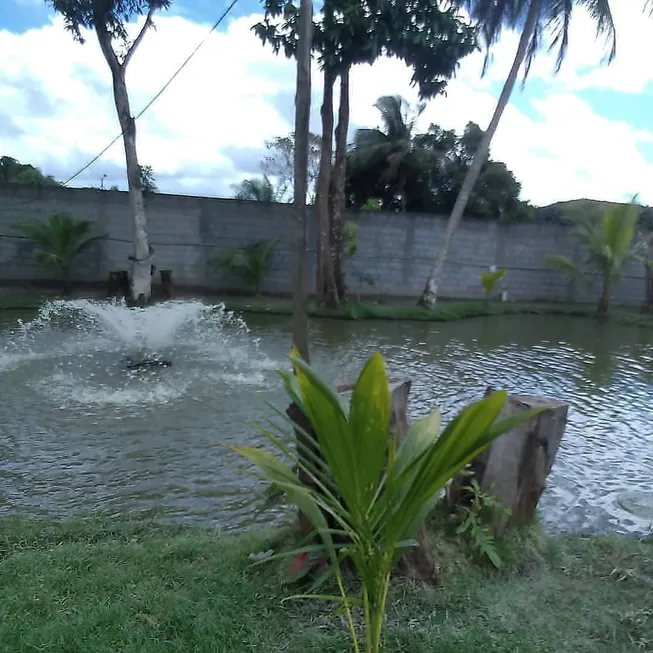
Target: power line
[156, 96]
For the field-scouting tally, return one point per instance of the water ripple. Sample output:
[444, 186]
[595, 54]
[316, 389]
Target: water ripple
[81, 434]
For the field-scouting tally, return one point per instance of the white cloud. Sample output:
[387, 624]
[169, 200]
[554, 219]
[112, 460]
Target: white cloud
[234, 94]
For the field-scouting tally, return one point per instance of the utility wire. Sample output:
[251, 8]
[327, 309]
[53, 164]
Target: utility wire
[157, 95]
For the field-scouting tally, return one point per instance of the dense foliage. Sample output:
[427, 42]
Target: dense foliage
[14, 172]
[405, 170]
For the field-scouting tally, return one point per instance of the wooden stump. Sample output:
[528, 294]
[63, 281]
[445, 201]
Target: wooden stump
[514, 468]
[417, 562]
[166, 284]
[118, 285]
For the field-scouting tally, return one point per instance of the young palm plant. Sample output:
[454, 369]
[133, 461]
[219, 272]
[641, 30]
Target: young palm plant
[58, 241]
[489, 281]
[609, 244]
[250, 263]
[370, 493]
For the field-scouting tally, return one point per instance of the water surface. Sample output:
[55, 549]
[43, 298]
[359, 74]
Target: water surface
[79, 434]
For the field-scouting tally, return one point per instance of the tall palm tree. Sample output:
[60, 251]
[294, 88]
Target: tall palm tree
[608, 242]
[58, 240]
[541, 22]
[302, 139]
[391, 149]
[256, 190]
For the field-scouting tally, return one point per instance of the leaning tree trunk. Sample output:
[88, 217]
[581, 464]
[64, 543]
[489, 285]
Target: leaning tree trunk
[339, 182]
[302, 119]
[323, 267]
[430, 292]
[141, 280]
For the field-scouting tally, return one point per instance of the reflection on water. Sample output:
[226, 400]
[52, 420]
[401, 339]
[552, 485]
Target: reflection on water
[79, 433]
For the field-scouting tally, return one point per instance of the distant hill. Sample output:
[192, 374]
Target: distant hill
[562, 212]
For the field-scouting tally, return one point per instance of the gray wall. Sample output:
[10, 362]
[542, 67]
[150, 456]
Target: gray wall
[395, 250]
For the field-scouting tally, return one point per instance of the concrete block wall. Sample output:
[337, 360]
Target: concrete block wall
[394, 250]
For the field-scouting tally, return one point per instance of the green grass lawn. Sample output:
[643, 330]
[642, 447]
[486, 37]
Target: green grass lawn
[104, 587]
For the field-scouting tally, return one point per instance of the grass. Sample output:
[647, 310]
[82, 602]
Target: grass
[446, 311]
[21, 299]
[100, 586]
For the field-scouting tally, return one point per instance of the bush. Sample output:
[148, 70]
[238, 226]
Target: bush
[250, 263]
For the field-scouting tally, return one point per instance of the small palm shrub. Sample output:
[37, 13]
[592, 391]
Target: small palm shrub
[58, 241]
[489, 281]
[250, 263]
[608, 241]
[369, 493]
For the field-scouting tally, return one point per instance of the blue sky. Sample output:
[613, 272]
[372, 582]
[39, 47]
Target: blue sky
[586, 132]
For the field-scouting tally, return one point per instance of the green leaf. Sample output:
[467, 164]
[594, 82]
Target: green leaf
[489, 280]
[422, 433]
[369, 422]
[324, 411]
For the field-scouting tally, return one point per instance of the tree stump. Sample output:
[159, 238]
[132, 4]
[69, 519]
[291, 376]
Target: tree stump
[118, 285]
[166, 284]
[514, 468]
[417, 562]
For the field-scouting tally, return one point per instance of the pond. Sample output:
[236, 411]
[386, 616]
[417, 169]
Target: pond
[79, 433]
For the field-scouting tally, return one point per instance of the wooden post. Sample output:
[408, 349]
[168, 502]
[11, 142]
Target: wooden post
[118, 285]
[514, 468]
[166, 284]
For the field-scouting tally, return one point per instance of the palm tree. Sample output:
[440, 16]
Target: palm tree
[540, 21]
[302, 140]
[391, 150]
[58, 241]
[609, 243]
[256, 190]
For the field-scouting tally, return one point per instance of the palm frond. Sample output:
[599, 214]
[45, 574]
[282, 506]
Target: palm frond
[564, 264]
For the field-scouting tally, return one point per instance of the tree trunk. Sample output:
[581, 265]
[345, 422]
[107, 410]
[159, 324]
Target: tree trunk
[324, 189]
[604, 302]
[66, 287]
[302, 118]
[141, 279]
[339, 182]
[648, 301]
[430, 292]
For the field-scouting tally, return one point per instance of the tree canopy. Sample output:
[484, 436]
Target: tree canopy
[14, 172]
[423, 172]
[430, 39]
[111, 15]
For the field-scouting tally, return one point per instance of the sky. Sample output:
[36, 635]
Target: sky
[585, 132]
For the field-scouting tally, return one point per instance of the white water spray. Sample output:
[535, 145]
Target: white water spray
[81, 351]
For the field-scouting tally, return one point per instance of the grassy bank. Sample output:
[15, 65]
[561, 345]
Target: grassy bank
[21, 299]
[446, 311]
[105, 587]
